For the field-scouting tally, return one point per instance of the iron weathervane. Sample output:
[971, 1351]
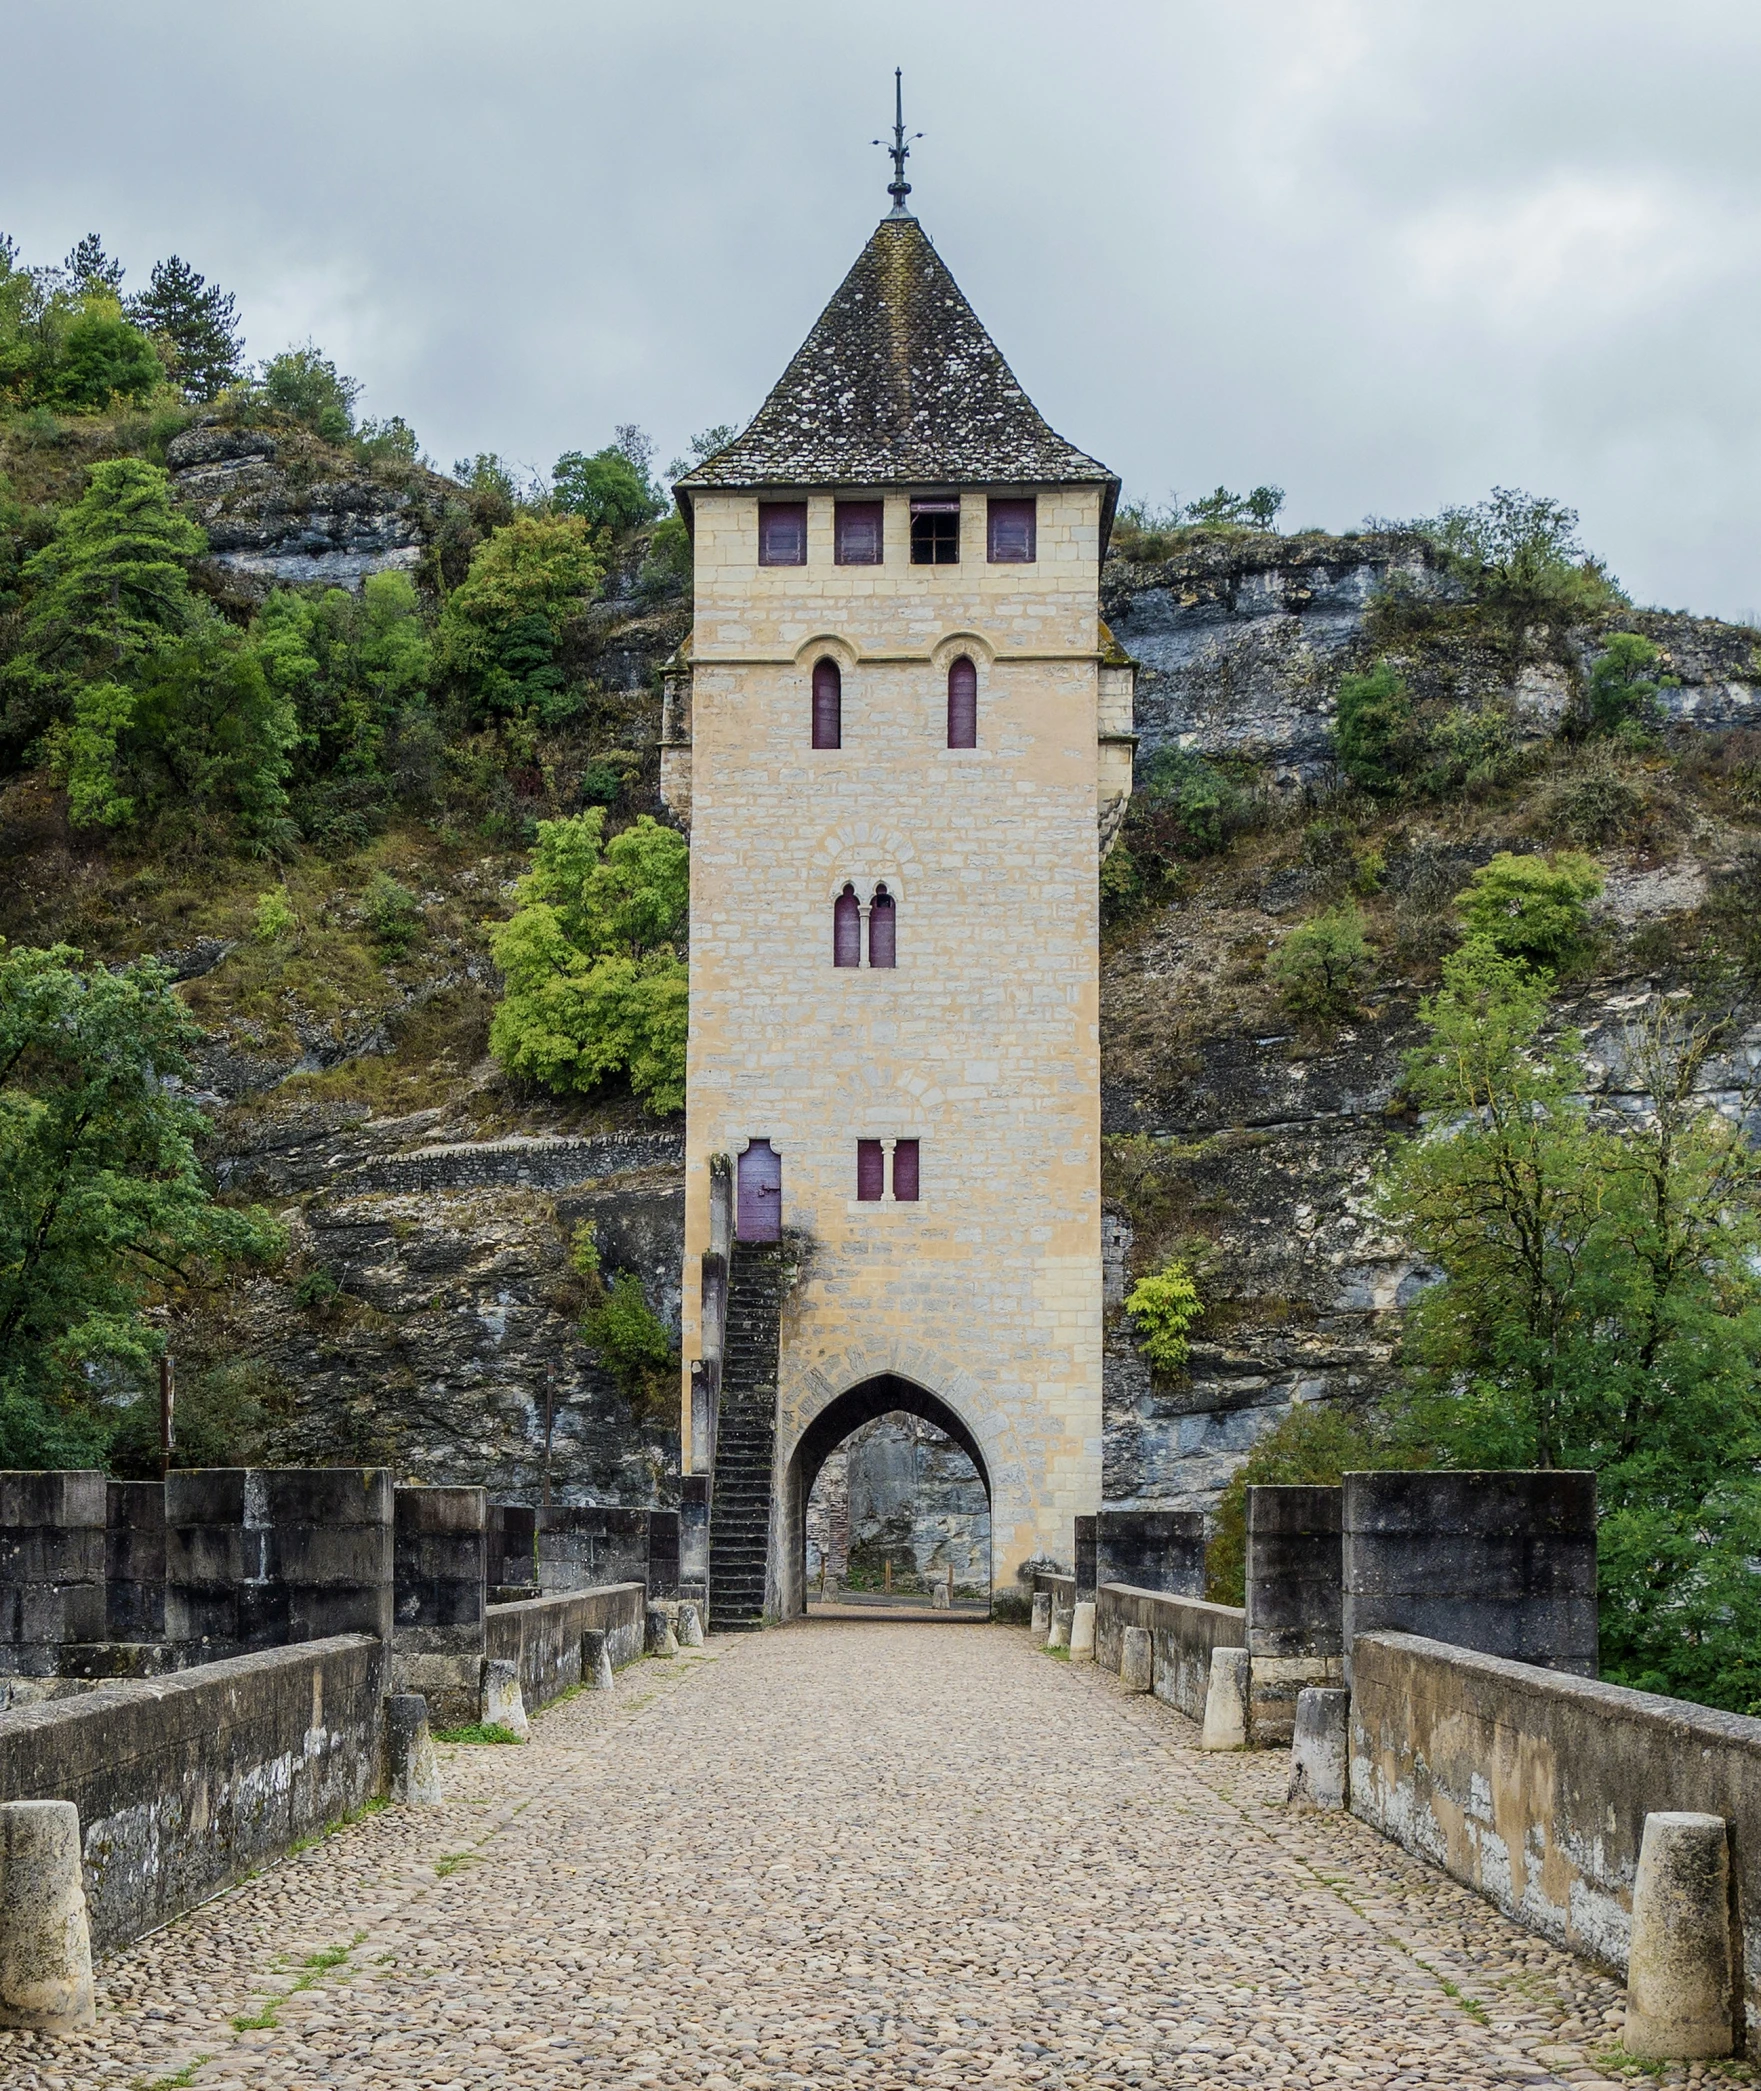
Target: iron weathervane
[899, 188]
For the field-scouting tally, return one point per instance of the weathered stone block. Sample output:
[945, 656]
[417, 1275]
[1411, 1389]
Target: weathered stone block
[1137, 1659]
[412, 1770]
[1152, 1550]
[134, 1561]
[1226, 1702]
[1500, 1562]
[45, 1947]
[1320, 1748]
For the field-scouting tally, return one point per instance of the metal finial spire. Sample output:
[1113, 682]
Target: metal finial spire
[899, 188]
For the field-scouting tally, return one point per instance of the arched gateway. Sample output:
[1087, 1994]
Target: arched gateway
[899, 528]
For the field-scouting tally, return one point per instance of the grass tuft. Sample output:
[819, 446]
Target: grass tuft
[477, 1732]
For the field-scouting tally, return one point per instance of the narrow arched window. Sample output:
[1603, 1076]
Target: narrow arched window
[883, 926]
[963, 704]
[828, 705]
[847, 929]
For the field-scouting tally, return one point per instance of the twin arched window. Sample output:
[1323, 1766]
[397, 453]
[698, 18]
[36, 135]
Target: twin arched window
[883, 929]
[828, 705]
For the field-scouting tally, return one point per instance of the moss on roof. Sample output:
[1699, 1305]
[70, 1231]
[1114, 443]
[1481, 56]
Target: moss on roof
[898, 383]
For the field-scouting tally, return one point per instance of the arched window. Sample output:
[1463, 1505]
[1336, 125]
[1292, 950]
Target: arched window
[883, 927]
[963, 704]
[828, 705]
[847, 929]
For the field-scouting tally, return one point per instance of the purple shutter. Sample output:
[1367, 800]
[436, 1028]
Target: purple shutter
[871, 1165]
[1012, 533]
[847, 929]
[963, 704]
[905, 1171]
[782, 533]
[828, 705]
[758, 1202]
[883, 925]
[856, 538]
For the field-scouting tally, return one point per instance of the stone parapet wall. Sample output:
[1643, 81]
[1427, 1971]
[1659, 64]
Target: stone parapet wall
[184, 1784]
[1532, 1785]
[1184, 1629]
[543, 1635]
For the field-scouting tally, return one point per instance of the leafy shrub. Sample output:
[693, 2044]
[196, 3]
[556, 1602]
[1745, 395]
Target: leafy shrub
[388, 442]
[1310, 1446]
[392, 914]
[668, 564]
[1593, 802]
[1322, 966]
[1623, 697]
[1532, 908]
[602, 782]
[274, 917]
[1164, 1306]
[1122, 887]
[103, 360]
[316, 1288]
[635, 1346]
[1203, 804]
[502, 626]
[596, 985]
[1374, 732]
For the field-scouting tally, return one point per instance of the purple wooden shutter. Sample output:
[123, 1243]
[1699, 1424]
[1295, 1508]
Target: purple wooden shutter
[1012, 533]
[871, 1165]
[782, 533]
[828, 705]
[847, 929]
[856, 536]
[883, 925]
[905, 1171]
[963, 704]
[758, 1200]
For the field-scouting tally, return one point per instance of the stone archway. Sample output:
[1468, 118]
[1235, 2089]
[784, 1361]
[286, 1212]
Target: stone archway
[881, 1394]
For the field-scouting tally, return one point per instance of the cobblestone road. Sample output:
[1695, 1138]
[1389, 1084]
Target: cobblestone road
[844, 1854]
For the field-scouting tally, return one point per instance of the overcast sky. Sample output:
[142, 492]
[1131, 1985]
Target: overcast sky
[1386, 253]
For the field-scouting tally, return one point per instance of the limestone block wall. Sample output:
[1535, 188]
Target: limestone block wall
[1184, 1630]
[982, 1043]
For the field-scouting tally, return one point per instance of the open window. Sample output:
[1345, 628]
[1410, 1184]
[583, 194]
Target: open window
[935, 531]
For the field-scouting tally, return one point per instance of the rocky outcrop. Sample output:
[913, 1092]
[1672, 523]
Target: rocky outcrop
[271, 524]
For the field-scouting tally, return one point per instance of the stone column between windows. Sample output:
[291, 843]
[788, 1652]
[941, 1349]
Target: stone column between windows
[887, 1147]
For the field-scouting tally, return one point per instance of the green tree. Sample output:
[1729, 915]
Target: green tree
[1598, 1306]
[501, 629]
[352, 665]
[304, 383]
[595, 982]
[634, 1345]
[1263, 506]
[198, 323]
[1623, 693]
[90, 270]
[102, 1204]
[1201, 803]
[1533, 908]
[1374, 733]
[607, 490]
[1322, 966]
[103, 360]
[1520, 554]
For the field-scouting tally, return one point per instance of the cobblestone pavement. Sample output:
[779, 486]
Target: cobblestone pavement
[868, 1854]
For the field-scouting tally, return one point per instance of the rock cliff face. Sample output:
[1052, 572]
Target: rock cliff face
[272, 523]
[899, 1490]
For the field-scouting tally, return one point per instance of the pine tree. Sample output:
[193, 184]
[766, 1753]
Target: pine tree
[198, 321]
[91, 269]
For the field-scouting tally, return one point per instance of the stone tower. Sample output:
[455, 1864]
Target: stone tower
[900, 735]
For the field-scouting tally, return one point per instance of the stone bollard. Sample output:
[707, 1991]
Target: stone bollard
[1137, 1659]
[662, 1640]
[690, 1624]
[1680, 1993]
[1225, 1725]
[412, 1771]
[1319, 1755]
[1041, 1623]
[45, 1947]
[938, 1597]
[596, 1660]
[503, 1704]
[1082, 1632]
[1058, 1636]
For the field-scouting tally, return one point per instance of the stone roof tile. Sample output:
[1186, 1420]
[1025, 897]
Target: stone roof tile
[897, 384]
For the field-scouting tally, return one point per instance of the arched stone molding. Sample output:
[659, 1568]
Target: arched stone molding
[977, 648]
[862, 853]
[827, 646]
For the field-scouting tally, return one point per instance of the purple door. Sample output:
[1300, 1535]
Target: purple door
[759, 1204]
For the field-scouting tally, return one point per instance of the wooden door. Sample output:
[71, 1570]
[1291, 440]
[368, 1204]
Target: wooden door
[758, 1213]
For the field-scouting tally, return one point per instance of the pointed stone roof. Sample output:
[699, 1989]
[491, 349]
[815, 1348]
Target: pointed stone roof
[897, 384]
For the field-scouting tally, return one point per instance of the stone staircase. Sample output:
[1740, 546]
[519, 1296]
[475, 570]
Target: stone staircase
[739, 1526]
